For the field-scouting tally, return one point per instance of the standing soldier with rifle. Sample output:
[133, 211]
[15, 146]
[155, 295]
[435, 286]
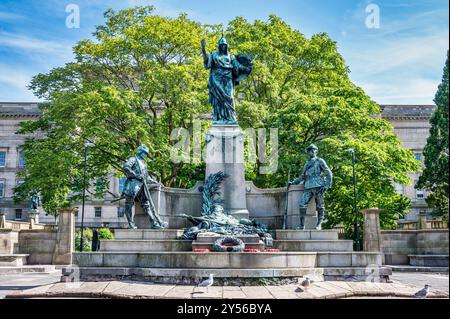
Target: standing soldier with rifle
[315, 185]
[136, 189]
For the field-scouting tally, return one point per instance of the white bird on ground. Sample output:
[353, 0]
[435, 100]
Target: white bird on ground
[207, 283]
[306, 283]
[423, 293]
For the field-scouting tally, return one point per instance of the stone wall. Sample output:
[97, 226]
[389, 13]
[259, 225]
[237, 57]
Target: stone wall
[39, 244]
[398, 244]
[9, 241]
[264, 205]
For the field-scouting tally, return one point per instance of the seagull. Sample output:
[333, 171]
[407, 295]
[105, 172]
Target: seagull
[208, 282]
[306, 283]
[423, 293]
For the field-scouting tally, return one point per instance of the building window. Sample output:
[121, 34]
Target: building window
[120, 212]
[399, 189]
[2, 158]
[98, 211]
[418, 156]
[19, 214]
[19, 182]
[419, 192]
[99, 187]
[21, 159]
[122, 181]
[2, 188]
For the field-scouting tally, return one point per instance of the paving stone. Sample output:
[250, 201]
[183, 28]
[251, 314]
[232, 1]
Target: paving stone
[215, 292]
[64, 287]
[259, 292]
[113, 286]
[281, 292]
[342, 285]
[231, 292]
[318, 292]
[181, 292]
[41, 290]
[143, 290]
[337, 291]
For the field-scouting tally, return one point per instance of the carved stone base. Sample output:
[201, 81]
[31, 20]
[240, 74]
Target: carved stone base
[225, 152]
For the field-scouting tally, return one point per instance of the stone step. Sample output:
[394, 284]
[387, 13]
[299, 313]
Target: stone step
[190, 275]
[314, 245]
[147, 233]
[428, 260]
[13, 259]
[226, 260]
[309, 234]
[407, 268]
[27, 269]
[145, 245]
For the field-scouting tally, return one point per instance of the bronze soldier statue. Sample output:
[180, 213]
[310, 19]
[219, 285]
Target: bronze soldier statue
[136, 189]
[317, 179]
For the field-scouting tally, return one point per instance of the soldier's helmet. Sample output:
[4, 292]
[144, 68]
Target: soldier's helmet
[312, 147]
[143, 148]
[222, 40]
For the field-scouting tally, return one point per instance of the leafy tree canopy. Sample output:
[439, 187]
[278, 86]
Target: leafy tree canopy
[143, 76]
[435, 175]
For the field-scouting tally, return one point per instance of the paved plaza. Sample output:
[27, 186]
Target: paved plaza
[403, 285]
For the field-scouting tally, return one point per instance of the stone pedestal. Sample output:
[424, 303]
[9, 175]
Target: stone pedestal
[65, 237]
[2, 220]
[372, 231]
[225, 152]
[422, 224]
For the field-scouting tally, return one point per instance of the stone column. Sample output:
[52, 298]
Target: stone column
[225, 152]
[2, 220]
[422, 223]
[372, 230]
[65, 237]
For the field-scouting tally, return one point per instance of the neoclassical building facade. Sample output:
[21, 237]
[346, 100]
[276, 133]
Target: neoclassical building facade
[411, 124]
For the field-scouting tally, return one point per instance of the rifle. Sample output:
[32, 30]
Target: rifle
[118, 199]
[147, 194]
[287, 200]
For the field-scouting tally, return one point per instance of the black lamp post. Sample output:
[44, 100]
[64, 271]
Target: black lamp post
[355, 206]
[86, 145]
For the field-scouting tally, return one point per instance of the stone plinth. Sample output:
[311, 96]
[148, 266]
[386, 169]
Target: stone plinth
[65, 238]
[372, 231]
[225, 152]
[2, 220]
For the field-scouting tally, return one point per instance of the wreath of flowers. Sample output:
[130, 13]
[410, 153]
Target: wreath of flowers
[228, 244]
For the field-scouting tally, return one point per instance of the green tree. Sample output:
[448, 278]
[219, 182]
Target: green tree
[302, 87]
[435, 175]
[143, 77]
[112, 95]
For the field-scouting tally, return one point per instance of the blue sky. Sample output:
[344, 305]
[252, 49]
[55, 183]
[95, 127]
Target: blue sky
[399, 63]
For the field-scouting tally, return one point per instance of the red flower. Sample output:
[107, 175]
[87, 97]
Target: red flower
[251, 250]
[201, 250]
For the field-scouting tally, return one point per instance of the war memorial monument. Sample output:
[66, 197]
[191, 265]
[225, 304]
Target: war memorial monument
[225, 225]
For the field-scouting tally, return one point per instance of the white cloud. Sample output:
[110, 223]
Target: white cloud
[402, 91]
[404, 52]
[13, 83]
[23, 42]
[8, 16]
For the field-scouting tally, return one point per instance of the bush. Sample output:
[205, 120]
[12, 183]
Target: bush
[105, 233]
[87, 239]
